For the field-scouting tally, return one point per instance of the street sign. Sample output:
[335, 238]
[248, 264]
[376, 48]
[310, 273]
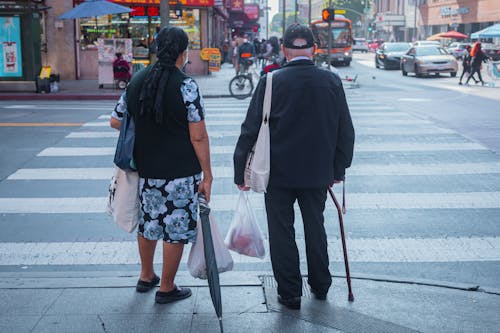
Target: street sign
[340, 11]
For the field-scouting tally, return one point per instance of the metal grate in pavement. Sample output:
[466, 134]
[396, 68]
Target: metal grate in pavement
[327, 314]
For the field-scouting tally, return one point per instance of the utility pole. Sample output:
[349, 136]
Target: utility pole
[164, 13]
[267, 20]
[296, 10]
[328, 59]
[414, 35]
[284, 18]
[309, 21]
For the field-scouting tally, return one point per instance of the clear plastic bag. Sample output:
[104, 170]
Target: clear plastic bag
[244, 235]
[196, 260]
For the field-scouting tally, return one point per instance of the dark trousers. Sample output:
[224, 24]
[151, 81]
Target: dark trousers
[466, 70]
[475, 69]
[283, 249]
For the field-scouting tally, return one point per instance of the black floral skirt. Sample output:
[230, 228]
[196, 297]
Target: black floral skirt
[169, 209]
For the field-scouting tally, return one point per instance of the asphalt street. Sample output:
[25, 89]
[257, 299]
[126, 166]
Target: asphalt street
[423, 194]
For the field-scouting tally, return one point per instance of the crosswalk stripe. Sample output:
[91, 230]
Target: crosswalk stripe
[387, 122]
[92, 135]
[228, 172]
[456, 249]
[227, 202]
[361, 147]
[235, 133]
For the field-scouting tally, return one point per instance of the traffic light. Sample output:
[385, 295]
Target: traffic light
[370, 27]
[328, 14]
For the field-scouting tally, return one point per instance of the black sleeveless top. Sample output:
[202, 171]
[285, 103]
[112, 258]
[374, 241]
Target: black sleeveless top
[163, 151]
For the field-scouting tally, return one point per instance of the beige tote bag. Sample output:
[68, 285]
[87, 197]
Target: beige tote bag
[123, 199]
[258, 164]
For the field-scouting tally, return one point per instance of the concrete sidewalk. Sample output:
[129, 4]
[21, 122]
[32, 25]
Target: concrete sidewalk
[107, 302]
[211, 86]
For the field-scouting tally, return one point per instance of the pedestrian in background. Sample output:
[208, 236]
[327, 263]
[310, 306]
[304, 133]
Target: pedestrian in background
[171, 152]
[478, 57]
[466, 67]
[312, 139]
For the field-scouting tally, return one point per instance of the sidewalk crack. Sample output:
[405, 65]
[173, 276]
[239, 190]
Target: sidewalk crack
[102, 324]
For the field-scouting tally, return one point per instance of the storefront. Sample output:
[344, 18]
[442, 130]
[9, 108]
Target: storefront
[140, 26]
[465, 16]
[19, 44]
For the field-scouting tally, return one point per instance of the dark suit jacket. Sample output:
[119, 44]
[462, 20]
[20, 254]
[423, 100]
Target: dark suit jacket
[312, 136]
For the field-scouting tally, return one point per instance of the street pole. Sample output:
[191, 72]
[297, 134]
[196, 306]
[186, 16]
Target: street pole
[267, 19]
[296, 10]
[328, 59]
[414, 34]
[164, 13]
[284, 18]
[310, 12]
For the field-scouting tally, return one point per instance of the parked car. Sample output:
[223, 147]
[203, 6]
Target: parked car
[424, 60]
[491, 50]
[374, 44]
[388, 55]
[457, 49]
[360, 44]
[426, 43]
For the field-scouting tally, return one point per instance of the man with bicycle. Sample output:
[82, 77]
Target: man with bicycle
[246, 55]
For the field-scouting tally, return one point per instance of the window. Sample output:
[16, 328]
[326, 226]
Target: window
[140, 29]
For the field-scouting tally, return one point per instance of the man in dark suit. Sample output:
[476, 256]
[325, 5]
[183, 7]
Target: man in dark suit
[312, 140]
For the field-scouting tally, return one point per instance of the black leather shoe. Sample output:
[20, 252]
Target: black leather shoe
[319, 295]
[145, 286]
[291, 303]
[164, 297]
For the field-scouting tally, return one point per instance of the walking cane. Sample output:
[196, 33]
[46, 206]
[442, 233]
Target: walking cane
[344, 247]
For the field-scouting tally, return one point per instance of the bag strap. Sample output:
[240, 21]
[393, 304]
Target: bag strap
[267, 97]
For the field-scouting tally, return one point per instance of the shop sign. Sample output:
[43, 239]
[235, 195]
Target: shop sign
[448, 11]
[10, 47]
[214, 62]
[209, 51]
[251, 11]
[237, 5]
[144, 11]
[187, 3]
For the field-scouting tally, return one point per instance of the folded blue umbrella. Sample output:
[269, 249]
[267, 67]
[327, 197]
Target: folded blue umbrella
[94, 8]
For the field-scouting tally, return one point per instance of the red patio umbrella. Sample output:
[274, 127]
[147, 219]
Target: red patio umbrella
[453, 34]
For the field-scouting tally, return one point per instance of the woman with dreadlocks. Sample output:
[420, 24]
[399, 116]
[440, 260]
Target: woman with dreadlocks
[172, 157]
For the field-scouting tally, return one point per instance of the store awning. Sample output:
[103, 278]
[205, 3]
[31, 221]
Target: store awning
[490, 32]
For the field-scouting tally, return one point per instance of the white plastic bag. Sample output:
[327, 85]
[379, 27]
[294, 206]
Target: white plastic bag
[244, 235]
[196, 260]
[123, 199]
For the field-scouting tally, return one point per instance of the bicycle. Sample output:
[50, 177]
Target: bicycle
[241, 86]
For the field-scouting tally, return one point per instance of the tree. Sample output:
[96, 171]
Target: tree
[356, 6]
[277, 20]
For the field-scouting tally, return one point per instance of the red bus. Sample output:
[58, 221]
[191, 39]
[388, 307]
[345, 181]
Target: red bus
[341, 48]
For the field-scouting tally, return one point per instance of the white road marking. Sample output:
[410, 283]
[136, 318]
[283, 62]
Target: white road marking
[456, 249]
[227, 202]
[361, 147]
[387, 122]
[114, 134]
[77, 151]
[228, 172]
[96, 124]
[62, 174]
[93, 135]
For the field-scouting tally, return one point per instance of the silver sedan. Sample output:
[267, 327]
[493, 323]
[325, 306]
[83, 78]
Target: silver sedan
[425, 60]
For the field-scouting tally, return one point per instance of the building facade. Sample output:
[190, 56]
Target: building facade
[465, 16]
[409, 20]
[20, 43]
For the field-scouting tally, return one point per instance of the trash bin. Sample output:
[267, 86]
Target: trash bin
[42, 85]
[54, 78]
